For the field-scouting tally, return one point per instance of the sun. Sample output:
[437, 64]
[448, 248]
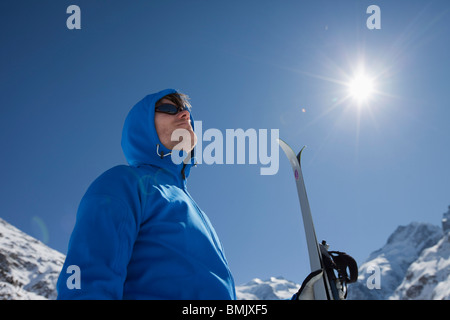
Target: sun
[361, 87]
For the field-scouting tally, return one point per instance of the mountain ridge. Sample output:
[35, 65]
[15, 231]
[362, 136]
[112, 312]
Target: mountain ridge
[28, 268]
[413, 264]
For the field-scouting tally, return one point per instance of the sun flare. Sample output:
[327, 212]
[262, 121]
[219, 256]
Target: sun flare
[361, 88]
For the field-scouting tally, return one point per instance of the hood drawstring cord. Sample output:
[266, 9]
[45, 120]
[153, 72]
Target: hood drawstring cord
[182, 171]
[161, 155]
[184, 165]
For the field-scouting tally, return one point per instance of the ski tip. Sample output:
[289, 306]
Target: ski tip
[299, 155]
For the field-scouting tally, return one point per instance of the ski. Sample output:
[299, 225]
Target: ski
[315, 256]
[330, 287]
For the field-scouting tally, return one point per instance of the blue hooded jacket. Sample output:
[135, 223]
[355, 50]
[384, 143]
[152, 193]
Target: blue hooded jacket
[138, 233]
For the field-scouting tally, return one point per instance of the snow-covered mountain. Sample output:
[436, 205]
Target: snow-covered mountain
[413, 264]
[28, 268]
[271, 289]
[429, 276]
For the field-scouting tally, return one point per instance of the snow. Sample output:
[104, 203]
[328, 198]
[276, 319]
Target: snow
[414, 264]
[402, 248]
[428, 278]
[446, 221]
[28, 268]
[275, 288]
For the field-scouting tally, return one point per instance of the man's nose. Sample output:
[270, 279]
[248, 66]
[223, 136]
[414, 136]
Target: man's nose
[184, 114]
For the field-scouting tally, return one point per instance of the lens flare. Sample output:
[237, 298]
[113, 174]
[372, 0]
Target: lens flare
[361, 88]
[40, 229]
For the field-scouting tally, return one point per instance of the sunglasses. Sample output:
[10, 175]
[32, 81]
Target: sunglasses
[169, 109]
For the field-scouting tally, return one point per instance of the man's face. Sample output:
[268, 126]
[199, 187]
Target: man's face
[166, 124]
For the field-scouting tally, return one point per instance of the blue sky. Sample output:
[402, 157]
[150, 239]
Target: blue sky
[245, 64]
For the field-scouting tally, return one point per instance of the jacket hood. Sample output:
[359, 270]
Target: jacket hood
[140, 142]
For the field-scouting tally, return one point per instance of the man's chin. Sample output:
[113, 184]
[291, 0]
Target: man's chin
[188, 144]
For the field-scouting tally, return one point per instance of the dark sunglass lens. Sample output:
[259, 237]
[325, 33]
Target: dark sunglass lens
[167, 108]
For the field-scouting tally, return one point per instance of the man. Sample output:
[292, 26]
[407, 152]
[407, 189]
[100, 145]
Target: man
[139, 234]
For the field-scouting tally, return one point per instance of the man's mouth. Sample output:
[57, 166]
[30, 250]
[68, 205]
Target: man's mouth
[184, 123]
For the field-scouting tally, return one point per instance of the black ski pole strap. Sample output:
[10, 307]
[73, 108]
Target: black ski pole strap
[343, 261]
